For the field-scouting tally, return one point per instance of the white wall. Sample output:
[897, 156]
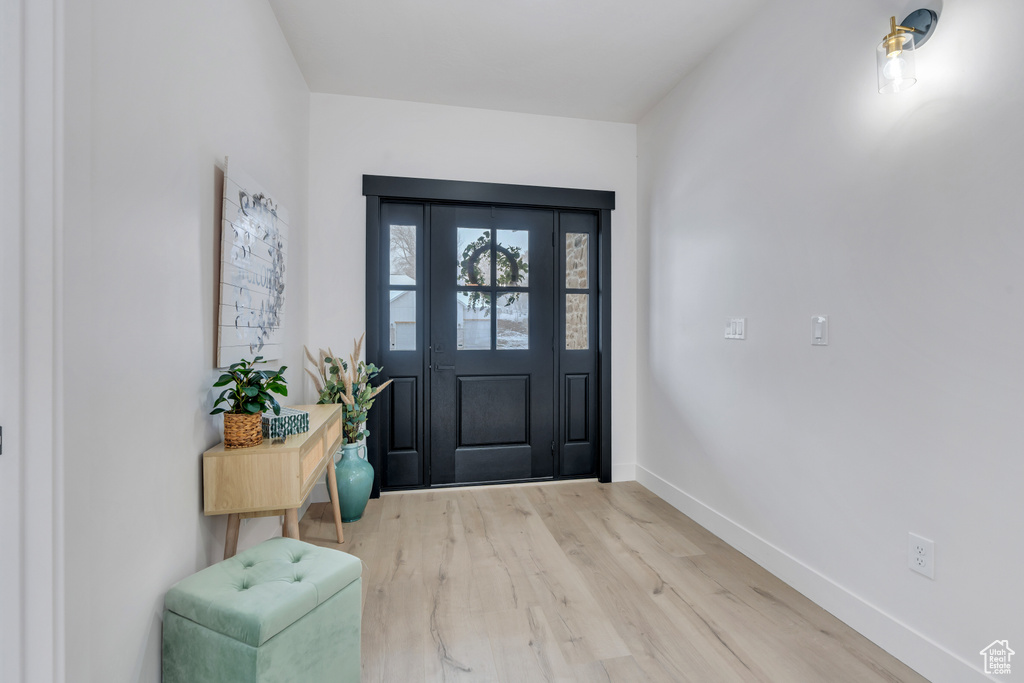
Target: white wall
[776, 184]
[157, 94]
[352, 136]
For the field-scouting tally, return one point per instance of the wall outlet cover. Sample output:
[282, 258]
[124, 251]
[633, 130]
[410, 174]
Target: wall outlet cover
[921, 555]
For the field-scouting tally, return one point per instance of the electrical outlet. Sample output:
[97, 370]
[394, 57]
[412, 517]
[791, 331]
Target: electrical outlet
[921, 555]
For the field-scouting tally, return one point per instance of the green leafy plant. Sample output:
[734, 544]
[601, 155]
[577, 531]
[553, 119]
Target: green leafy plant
[327, 378]
[348, 383]
[252, 388]
[511, 269]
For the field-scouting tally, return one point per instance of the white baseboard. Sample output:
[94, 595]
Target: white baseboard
[928, 658]
[620, 472]
[624, 471]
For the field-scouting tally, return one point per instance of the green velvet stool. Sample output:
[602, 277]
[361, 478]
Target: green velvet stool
[282, 612]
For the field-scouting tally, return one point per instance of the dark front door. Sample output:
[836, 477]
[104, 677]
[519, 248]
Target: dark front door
[491, 350]
[488, 307]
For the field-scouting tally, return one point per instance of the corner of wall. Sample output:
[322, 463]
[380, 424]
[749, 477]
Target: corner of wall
[624, 471]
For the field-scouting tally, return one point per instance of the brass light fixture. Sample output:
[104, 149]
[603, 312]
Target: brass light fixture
[897, 68]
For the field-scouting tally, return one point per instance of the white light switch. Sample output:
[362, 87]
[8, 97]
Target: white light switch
[819, 330]
[736, 328]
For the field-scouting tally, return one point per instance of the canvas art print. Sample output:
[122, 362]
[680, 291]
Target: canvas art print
[254, 239]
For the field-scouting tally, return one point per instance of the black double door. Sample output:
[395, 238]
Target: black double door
[491, 344]
[487, 333]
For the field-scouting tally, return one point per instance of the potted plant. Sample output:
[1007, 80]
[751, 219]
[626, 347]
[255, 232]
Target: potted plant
[246, 401]
[349, 383]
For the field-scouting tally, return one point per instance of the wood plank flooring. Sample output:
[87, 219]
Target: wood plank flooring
[579, 582]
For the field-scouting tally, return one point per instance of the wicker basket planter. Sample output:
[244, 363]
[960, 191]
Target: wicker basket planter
[242, 430]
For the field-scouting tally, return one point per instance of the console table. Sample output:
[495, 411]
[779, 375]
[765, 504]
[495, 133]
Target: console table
[274, 478]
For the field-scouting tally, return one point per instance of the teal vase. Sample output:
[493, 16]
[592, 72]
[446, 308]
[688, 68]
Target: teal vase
[355, 480]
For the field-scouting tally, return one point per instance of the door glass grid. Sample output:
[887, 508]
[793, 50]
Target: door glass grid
[402, 323]
[402, 311]
[473, 320]
[513, 320]
[474, 257]
[577, 295]
[577, 322]
[513, 265]
[493, 289]
[577, 260]
[402, 254]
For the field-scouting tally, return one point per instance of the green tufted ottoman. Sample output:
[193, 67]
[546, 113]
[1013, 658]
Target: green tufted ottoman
[282, 612]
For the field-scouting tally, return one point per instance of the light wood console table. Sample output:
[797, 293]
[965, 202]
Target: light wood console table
[274, 478]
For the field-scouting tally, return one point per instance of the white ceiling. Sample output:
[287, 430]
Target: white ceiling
[607, 60]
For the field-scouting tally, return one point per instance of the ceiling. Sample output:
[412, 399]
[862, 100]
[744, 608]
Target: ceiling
[608, 60]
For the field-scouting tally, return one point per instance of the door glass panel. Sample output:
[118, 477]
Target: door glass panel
[473, 320]
[513, 322]
[513, 258]
[577, 260]
[474, 257]
[402, 328]
[577, 322]
[403, 254]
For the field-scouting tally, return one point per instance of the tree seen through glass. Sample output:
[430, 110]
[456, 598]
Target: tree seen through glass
[403, 254]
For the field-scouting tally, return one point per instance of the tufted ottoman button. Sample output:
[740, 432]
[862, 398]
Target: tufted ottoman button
[217, 631]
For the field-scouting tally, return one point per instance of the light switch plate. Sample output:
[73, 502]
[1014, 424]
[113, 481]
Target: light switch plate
[819, 330]
[736, 328]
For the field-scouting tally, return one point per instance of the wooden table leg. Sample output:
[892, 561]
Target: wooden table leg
[332, 486]
[231, 539]
[291, 523]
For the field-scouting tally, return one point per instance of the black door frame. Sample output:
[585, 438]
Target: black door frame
[378, 189]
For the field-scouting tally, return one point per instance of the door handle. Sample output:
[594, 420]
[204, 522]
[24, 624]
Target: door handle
[439, 368]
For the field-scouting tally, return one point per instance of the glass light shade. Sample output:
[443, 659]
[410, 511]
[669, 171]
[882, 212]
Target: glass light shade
[897, 69]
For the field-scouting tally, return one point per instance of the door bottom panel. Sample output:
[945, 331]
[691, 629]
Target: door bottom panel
[490, 464]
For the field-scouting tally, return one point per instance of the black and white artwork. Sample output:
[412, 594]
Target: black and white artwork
[254, 242]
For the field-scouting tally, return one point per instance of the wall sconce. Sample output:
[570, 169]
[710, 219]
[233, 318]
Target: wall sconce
[896, 65]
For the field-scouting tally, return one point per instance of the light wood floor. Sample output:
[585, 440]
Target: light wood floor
[579, 582]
